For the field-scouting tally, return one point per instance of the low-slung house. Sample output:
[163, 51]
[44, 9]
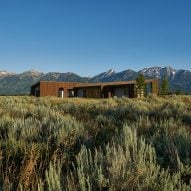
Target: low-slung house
[91, 90]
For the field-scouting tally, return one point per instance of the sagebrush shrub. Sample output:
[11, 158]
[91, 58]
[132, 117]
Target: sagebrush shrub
[95, 144]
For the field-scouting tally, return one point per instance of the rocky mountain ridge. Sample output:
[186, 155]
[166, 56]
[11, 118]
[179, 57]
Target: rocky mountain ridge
[18, 84]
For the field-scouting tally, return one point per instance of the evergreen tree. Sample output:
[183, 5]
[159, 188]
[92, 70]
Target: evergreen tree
[164, 88]
[140, 85]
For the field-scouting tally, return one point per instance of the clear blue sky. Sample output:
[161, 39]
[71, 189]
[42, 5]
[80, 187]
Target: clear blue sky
[91, 36]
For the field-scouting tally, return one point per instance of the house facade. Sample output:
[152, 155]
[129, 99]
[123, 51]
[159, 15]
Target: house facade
[92, 90]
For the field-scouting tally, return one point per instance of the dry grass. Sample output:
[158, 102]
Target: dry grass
[95, 144]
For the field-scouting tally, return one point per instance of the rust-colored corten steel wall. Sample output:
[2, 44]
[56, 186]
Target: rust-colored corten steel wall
[52, 88]
[91, 90]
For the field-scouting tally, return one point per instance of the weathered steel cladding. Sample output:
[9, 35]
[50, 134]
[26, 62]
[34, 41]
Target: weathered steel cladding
[90, 90]
[52, 88]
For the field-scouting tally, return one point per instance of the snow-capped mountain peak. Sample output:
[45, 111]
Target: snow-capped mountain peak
[110, 72]
[20, 83]
[5, 73]
[159, 72]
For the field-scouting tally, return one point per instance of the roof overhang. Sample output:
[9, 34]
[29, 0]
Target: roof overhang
[36, 84]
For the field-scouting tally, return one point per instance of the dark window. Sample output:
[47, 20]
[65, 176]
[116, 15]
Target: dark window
[61, 92]
[71, 93]
[84, 93]
[37, 93]
[126, 92]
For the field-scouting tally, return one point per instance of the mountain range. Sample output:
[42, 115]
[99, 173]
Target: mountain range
[18, 84]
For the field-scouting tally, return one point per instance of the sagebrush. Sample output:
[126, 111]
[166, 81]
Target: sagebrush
[91, 145]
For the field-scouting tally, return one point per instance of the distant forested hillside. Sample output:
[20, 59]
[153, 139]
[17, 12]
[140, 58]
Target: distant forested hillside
[17, 84]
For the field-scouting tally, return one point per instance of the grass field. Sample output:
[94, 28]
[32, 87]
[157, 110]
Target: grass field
[95, 145]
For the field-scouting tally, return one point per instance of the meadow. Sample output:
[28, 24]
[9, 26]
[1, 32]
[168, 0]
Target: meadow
[115, 144]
